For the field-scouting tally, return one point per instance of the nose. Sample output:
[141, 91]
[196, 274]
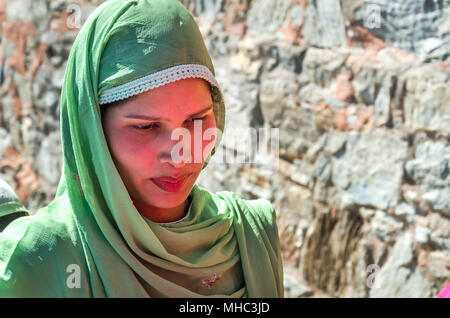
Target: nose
[177, 161]
[178, 153]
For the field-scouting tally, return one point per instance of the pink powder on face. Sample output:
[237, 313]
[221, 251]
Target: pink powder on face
[445, 293]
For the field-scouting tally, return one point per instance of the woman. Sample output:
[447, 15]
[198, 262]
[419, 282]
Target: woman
[118, 227]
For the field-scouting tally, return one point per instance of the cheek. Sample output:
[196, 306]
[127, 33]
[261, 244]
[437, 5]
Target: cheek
[205, 139]
[130, 154]
[208, 136]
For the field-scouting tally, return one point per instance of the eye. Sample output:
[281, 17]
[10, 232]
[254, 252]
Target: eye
[199, 119]
[146, 127]
[155, 126]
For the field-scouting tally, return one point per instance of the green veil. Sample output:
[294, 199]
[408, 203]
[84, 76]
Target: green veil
[92, 228]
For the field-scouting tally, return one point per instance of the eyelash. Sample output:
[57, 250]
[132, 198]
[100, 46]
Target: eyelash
[154, 126]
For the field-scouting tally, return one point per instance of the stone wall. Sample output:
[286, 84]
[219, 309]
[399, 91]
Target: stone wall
[359, 92]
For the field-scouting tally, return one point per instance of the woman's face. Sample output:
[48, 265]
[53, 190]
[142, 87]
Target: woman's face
[139, 130]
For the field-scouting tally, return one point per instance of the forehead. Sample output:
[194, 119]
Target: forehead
[173, 100]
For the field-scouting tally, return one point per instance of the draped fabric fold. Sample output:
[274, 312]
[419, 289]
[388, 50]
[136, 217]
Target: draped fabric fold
[91, 241]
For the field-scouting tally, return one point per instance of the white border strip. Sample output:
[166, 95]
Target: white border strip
[157, 79]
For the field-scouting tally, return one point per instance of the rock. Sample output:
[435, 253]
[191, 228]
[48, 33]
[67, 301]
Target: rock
[48, 161]
[426, 100]
[358, 272]
[411, 195]
[254, 191]
[322, 168]
[58, 79]
[344, 90]
[438, 225]
[266, 16]
[416, 26]
[313, 151]
[430, 168]
[336, 142]
[278, 90]
[438, 264]
[20, 10]
[383, 102]
[324, 24]
[248, 59]
[300, 200]
[312, 94]
[406, 211]
[242, 112]
[336, 104]
[50, 99]
[320, 191]
[41, 80]
[294, 288]
[366, 213]
[208, 9]
[440, 230]
[297, 132]
[346, 202]
[321, 66]
[440, 242]
[439, 200]
[385, 226]
[373, 84]
[399, 277]
[371, 170]
[332, 246]
[301, 174]
[289, 57]
[5, 141]
[422, 235]
[364, 84]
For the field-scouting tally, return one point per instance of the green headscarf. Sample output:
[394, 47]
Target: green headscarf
[124, 48]
[10, 205]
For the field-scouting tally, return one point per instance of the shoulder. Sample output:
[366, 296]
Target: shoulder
[10, 206]
[259, 211]
[36, 248]
[264, 209]
[47, 224]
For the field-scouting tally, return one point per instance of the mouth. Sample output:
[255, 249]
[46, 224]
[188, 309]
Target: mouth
[170, 184]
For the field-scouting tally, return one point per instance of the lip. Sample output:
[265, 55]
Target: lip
[170, 184]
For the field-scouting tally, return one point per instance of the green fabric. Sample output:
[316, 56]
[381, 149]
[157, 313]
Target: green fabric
[12, 207]
[92, 221]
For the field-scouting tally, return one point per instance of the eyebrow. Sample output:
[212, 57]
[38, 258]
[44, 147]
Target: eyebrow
[139, 116]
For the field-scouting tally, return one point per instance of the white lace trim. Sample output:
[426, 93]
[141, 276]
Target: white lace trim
[157, 79]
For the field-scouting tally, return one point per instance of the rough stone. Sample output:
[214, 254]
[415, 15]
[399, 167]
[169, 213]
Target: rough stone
[384, 226]
[426, 101]
[322, 66]
[399, 277]
[300, 200]
[266, 16]
[422, 235]
[430, 168]
[370, 170]
[406, 211]
[296, 289]
[322, 168]
[438, 264]
[48, 161]
[324, 258]
[418, 26]
[324, 25]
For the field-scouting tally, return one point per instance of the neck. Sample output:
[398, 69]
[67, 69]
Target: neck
[163, 215]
